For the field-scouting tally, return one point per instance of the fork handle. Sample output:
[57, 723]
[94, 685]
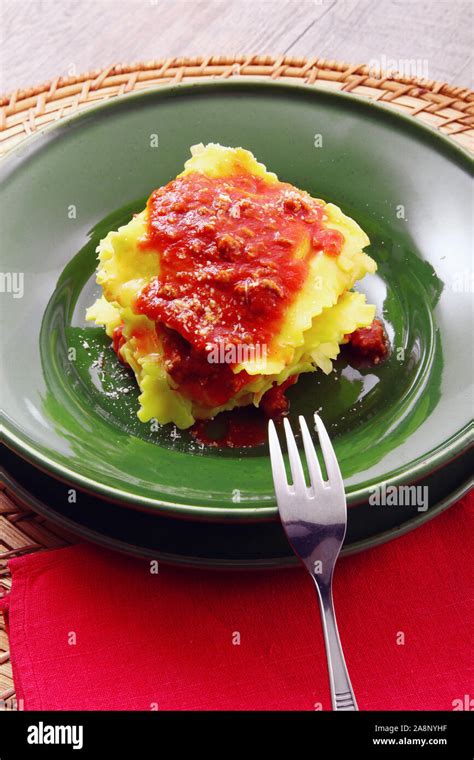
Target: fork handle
[342, 695]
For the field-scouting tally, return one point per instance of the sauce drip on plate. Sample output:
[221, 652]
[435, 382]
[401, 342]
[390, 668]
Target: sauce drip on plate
[241, 428]
[245, 426]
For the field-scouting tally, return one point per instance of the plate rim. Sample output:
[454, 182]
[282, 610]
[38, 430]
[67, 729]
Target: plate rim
[168, 507]
[277, 563]
[210, 83]
[431, 460]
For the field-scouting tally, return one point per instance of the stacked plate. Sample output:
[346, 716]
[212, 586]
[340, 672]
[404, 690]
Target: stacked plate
[76, 450]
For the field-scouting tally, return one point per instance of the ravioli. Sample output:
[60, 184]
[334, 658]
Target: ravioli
[229, 283]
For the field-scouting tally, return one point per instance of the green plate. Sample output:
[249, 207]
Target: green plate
[70, 407]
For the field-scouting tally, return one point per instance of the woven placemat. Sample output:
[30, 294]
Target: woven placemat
[444, 107]
[21, 531]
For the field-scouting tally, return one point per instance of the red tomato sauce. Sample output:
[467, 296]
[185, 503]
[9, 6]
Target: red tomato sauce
[274, 402]
[203, 382]
[369, 343]
[228, 270]
[245, 426]
[118, 340]
[241, 428]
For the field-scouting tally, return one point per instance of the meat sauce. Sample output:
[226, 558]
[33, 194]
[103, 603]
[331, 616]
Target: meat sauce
[235, 253]
[117, 341]
[368, 344]
[197, 378]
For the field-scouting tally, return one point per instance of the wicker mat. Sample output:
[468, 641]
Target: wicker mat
[21, 531]
[442, 106]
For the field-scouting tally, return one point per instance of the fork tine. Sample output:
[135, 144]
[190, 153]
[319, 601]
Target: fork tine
[330, 460]
[311, 458]
[278, 465]
[294, 456]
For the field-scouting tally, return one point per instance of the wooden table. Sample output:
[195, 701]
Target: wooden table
[45, 38]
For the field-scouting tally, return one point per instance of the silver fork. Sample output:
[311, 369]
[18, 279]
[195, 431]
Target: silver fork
[315, 521]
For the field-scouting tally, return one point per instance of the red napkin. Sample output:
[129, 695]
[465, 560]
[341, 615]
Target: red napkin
[94, 630]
